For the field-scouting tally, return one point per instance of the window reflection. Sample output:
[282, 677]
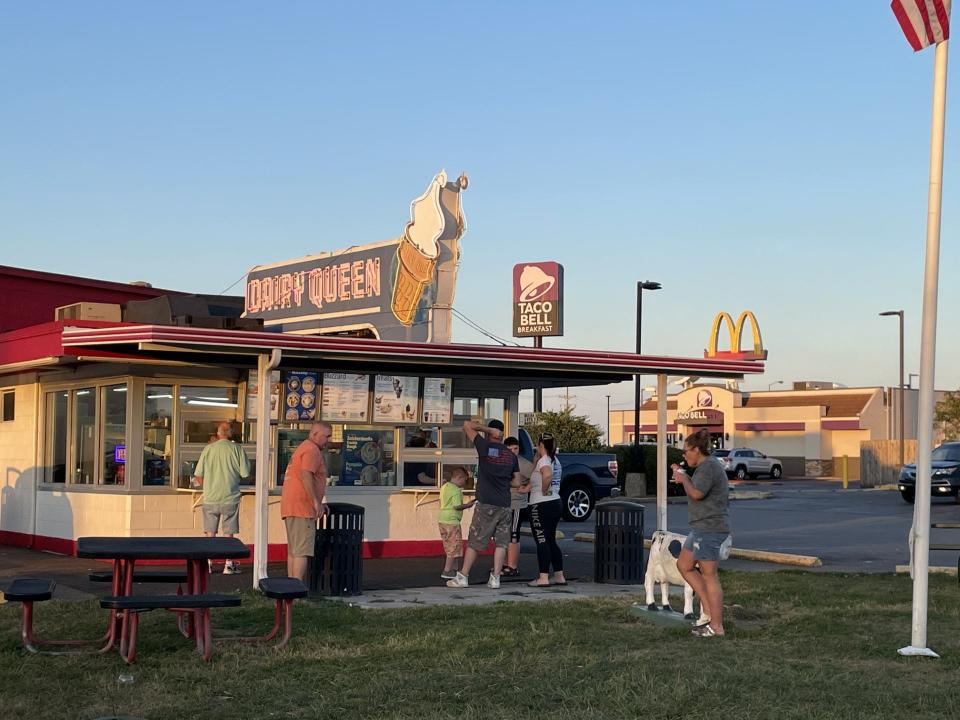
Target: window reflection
[55, 437]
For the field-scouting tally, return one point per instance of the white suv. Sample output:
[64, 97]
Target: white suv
[742, 463]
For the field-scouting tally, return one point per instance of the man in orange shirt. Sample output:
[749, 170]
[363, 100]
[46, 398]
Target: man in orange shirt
[301, 503]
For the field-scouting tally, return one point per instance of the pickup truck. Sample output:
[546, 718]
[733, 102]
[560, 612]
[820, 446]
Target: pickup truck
[585, 478]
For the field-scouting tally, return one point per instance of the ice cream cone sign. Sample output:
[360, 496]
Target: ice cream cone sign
[419, 248]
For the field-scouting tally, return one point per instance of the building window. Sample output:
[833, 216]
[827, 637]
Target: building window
[157, 434]
[8, 406]
[55, 434]
[113, 429]
[84, 436]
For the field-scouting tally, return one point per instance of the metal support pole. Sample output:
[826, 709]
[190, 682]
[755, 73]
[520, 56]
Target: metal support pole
[902, 435]
[261, 515]
[636, 378]
[661, 452]
[538, 392]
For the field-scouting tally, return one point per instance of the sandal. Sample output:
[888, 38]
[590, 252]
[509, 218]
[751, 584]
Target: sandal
[508, 571]
[534, 583]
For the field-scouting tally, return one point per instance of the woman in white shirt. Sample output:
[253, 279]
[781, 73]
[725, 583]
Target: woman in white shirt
[545, 510]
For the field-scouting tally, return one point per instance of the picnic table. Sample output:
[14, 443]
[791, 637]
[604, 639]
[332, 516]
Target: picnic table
[125, 552]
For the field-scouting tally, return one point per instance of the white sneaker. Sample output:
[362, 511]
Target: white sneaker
[449, 575]
[231, 568]
[494, 582]
[460, 581]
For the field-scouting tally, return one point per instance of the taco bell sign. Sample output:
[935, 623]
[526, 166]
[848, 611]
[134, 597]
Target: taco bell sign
[537, 299]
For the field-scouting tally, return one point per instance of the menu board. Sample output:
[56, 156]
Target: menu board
[362, 457]
[301, 390]
[346, 397]
[395, 399]
[437, 400]
[253, 391]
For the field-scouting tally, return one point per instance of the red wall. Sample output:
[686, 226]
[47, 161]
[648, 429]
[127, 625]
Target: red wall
[29, 297]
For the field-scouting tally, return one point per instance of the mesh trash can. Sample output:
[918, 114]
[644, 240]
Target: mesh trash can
[618, 543]
[337, 566]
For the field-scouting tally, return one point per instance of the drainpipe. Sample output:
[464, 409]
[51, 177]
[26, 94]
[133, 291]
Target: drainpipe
[261, 515]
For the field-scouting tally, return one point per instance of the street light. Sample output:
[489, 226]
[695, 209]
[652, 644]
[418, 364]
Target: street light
[641, 286]
[899, 314]
[775, 382]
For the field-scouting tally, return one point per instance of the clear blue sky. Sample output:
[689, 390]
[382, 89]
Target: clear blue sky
[761, 155]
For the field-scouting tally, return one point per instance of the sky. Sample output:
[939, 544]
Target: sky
[746, 155]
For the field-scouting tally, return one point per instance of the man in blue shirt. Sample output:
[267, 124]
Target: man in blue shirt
[497, 471]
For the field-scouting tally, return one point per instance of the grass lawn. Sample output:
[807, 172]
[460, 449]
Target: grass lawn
[799, 645]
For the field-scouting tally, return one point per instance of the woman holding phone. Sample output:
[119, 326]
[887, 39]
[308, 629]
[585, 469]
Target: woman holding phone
[708, 499]
[545, 509]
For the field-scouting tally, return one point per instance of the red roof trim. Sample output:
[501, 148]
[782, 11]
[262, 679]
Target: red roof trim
[261, 341]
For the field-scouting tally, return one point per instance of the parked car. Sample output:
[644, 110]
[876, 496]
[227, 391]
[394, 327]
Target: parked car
[944, 475]
[742, 463]
[586, 478]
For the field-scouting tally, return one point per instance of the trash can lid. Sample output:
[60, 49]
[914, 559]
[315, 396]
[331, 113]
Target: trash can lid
[619, 505]
[345, 509]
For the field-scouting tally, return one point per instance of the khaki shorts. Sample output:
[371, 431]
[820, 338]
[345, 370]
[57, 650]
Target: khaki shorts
[490, 521]
[301, 536]
[452, 538]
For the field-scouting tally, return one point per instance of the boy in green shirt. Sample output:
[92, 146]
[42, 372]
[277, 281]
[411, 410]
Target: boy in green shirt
[451, 512]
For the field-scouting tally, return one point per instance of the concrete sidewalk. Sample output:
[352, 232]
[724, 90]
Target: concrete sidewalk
[379, 574]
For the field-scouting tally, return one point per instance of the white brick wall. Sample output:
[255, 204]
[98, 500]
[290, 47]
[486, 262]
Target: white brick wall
[18, 452]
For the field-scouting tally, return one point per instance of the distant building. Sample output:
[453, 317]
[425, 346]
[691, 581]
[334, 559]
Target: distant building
[810, 428]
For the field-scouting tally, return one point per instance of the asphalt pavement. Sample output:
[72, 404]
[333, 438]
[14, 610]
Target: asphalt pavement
[853, 530]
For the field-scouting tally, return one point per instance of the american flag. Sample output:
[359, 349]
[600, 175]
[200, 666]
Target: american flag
[924, 22]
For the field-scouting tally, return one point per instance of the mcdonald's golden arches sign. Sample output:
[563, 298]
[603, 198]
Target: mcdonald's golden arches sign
[735, 331]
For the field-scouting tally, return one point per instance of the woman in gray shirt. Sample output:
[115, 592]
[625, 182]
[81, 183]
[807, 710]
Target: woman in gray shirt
[708, 499]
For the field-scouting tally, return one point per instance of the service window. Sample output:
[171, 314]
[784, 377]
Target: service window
[113, 430]
[84, 436]
[157, 434]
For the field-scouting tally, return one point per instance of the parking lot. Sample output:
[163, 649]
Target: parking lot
[849, 530]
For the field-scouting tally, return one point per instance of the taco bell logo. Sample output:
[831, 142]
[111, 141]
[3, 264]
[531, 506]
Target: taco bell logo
[537, 299]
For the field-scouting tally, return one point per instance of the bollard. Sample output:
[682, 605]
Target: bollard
[845, 473]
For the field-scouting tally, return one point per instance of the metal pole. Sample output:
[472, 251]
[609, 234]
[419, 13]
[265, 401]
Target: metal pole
[661, 452]
[636, 378]
[538, 392]
[928, 346]
[608, 421]
[902, 436]
[261, 514]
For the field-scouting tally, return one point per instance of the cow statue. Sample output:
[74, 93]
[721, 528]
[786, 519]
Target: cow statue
[662, 569]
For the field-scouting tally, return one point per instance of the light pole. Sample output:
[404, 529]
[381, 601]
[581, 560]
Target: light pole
[608, 420]
[899, 314]
[641, 286]
[775, 382]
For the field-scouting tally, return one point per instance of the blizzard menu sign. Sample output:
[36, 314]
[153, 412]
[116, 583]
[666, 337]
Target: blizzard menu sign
[537, 299]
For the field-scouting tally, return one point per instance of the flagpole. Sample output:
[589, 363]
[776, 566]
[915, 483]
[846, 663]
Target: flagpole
[928, 346]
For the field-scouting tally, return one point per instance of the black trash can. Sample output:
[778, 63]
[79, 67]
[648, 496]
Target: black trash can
[337, 567]
[618, 543]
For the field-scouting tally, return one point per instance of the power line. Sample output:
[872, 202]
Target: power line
[476, 326]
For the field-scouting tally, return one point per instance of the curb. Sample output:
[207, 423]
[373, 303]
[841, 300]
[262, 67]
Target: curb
[934, 570]
[779, 558]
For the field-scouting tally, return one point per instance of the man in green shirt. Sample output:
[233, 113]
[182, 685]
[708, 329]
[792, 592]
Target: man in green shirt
[219, 469]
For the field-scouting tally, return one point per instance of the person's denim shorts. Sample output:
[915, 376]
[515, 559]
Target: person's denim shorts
[230, 514]
[710, 547]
